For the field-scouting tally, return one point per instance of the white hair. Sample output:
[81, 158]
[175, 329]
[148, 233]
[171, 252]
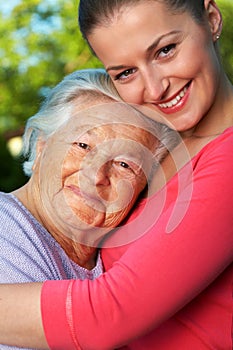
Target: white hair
[57, 109]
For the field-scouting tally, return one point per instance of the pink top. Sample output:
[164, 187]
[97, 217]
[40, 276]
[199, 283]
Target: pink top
[170, 289]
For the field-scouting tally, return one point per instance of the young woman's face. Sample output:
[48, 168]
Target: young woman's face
[162, 60]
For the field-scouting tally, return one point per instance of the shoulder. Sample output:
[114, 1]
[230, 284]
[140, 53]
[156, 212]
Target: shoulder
[223, 141]
[14, 216]
[217, 154]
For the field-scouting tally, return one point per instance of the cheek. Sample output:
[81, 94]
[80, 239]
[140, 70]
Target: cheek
[126, 198]
[131, 92]
[140, 185]
[117, 197]
[126, 192]
[113, 219]
[71, 164]
[49, 168]
[205, 52]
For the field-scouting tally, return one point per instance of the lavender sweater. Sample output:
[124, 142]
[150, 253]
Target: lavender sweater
[28, 252]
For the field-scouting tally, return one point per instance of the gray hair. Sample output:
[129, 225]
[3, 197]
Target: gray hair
[57, 109]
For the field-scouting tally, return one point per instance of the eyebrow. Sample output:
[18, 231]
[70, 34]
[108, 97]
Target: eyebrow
[148, 50]
[116, 67]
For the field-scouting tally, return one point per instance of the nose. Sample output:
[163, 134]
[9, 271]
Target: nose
[102, 175]
[96, 176]
[155, 83]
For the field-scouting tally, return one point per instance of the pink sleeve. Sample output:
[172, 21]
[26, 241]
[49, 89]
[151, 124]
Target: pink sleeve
[160, 272]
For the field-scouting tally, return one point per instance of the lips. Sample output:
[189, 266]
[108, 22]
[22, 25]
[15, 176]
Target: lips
[175, 103]
[89, 198]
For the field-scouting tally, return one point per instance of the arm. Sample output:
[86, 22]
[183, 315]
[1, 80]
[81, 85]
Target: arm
[20, 310]
[175, 267]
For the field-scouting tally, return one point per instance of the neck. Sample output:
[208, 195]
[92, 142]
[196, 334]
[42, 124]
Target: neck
[219, 117]
[82, 255]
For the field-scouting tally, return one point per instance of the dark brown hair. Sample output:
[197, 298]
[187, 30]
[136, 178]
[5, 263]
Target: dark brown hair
[94, 13]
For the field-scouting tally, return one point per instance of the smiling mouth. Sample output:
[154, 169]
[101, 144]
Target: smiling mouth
[88, 198]
[175, 100]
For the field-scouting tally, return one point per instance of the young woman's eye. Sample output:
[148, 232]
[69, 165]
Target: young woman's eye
[166, 50]
[124, 75]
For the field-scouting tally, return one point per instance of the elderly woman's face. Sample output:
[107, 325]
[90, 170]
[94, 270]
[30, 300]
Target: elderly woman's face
[92, 173]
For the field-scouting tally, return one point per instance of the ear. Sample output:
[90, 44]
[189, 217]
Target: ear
[214, 18]
[39, 147]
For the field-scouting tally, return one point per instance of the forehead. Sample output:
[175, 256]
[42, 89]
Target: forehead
[132, 13]
[113, 121]
[115, 118]
[119, 131]
[122, 33]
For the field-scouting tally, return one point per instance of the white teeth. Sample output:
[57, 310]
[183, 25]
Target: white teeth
[175, 100]
[182, 94]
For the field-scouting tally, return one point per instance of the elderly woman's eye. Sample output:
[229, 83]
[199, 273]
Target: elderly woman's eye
[124, 165]
[83, 145]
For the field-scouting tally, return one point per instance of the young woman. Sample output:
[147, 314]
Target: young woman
[171, 288]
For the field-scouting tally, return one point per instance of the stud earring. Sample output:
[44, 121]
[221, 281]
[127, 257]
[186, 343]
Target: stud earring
[217, 36]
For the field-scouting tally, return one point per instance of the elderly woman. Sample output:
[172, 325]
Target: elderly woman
[89, 158]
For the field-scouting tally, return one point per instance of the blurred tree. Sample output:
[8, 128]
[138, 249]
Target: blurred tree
[226, 43]
[40, 44]
[12, 175]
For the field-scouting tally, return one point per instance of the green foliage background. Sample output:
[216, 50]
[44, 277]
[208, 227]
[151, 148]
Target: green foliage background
[40, 44]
